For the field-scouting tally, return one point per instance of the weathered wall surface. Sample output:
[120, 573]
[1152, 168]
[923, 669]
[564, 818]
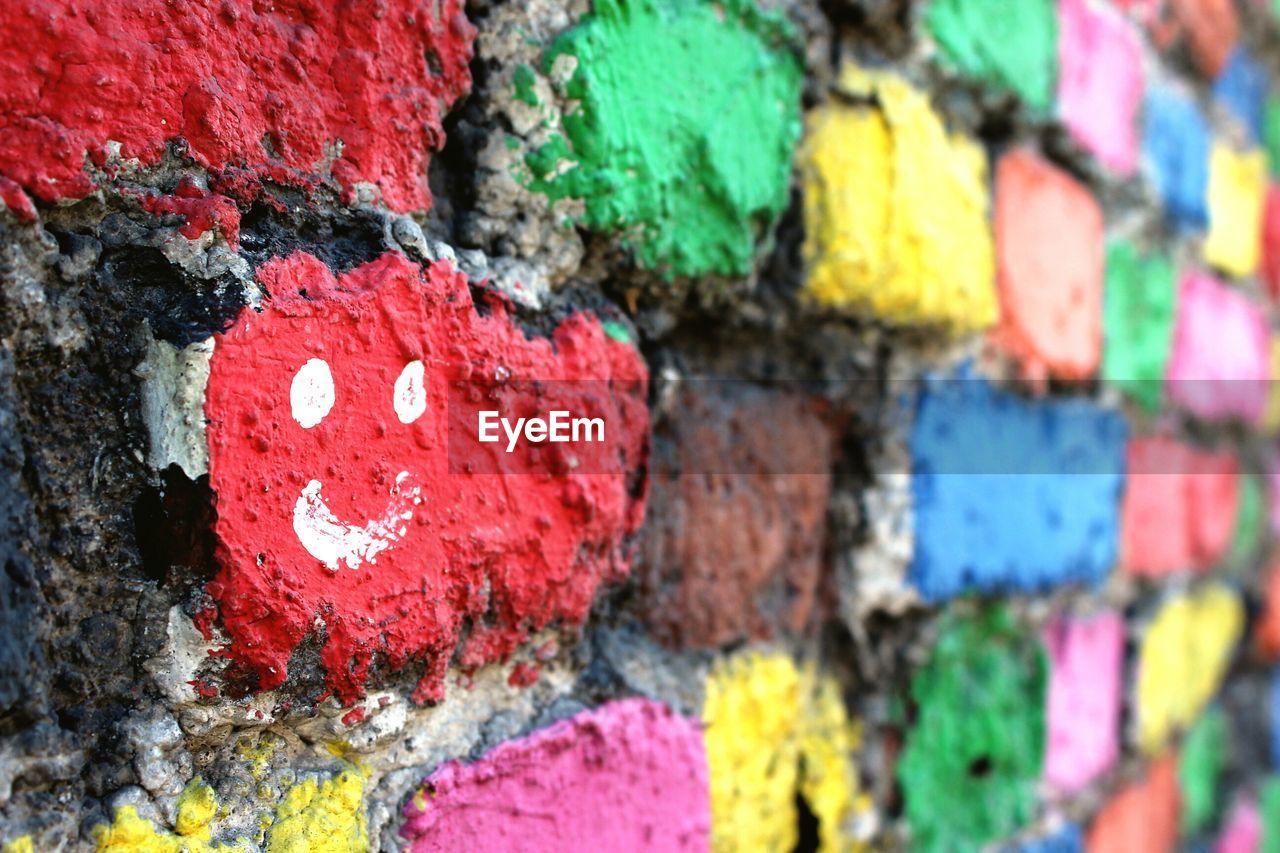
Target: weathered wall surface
[934, 346]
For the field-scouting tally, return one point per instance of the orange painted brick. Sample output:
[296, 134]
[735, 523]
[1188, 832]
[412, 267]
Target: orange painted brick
[1266, 632]
[1143, 817]
[1050, 268]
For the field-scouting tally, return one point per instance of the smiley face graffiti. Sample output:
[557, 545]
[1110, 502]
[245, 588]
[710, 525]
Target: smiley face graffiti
[354, 503]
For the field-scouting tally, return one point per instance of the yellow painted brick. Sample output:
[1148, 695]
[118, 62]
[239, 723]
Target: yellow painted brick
[131, 833]
[1237, 189]
[322, 817]
[896, 210]
[1271, 416]
[773, 729]
[1184, 655]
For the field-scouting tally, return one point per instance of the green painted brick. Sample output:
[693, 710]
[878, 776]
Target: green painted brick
[687, 119]
[1271, 133]
[1200, 765]
[1250, 518]
[523, 81]
[972, 760]
[1138, 313]
[1269, 805]
[1013, 43]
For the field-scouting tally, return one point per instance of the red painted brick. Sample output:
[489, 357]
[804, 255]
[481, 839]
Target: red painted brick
[385, 522]
[1179, 507]
[1049, 268]
[734, 544]
[292, 90]
[1271, 242]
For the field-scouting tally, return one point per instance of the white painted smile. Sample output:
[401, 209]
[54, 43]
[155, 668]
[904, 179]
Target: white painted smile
[332, 541]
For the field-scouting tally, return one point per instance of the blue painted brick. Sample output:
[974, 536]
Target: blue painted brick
[1066, 840]
[1175, 147]
[1242, 89]
[1012, 494]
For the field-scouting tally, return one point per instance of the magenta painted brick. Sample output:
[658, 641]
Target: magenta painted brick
[1100, 81]
[630, 775]
[1085, 657]
[1242, 830]
[1220, 361]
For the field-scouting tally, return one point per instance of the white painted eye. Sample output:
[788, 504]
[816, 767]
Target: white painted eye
[311, 394]
[410, 394]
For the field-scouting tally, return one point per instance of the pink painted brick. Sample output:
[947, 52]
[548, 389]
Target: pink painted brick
[1085, 657]
[1221, 352]
[1100, 81]
[1242, 830]
[630, 775]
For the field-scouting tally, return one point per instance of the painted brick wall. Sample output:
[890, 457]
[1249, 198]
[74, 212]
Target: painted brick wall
[932, 342]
